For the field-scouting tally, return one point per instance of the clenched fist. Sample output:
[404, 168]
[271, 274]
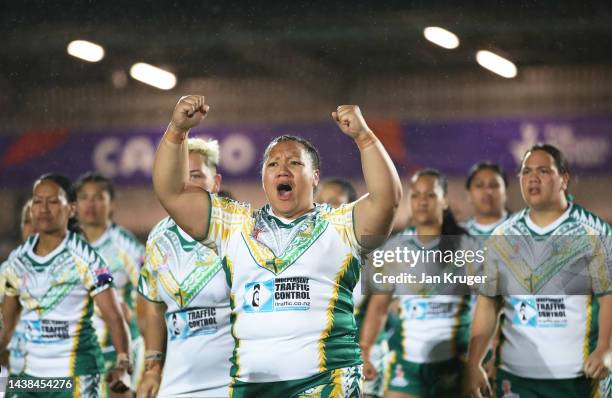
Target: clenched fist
[595, 366]
[188, 113]
[351, 121]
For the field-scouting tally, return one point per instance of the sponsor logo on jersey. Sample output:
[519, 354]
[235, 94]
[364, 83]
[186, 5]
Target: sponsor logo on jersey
[191, 322]
[540, 312]
[421, 310]
[277, 294]
[47, 331]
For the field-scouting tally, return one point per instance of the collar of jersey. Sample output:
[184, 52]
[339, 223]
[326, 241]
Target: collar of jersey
[46, 259]
[186, 241]
[488, 228]
[264, 256]
[56, 293]
[414, 239]
[268, 212]
[183, 292]
[550, 227]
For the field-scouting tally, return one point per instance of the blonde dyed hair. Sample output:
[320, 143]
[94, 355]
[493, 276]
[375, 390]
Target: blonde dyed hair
[208, 148]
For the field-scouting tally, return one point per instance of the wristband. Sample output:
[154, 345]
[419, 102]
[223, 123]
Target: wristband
[123, 362]
[365, 140]
[152, 355]
[172, 138]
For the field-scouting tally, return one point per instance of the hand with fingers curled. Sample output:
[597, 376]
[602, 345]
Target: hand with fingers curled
[478, 382]
[149, 386]
[351, 122]
[369, 370]
[118, 379]
[595, 365]
[188, 113]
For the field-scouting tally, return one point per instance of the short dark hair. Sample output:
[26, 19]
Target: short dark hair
[61, 180]
[224, 193]
[431, 172]
[485, 165]
[344, 184]
[450, 227]
[98, 178]
[560, 160]
[310, 149]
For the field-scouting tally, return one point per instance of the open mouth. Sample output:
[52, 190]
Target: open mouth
[534, 191]
[284, 191]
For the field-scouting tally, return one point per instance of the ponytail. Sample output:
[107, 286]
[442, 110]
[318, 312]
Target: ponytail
[451, 232]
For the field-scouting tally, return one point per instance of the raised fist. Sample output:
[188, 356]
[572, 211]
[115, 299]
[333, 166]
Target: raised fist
[189, 112]
[350, 120]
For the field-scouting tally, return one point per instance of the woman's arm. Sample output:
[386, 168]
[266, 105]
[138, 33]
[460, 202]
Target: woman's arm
[187, 204]
[374, 212]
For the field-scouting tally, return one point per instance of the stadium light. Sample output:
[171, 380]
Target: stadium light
[153, 76]
[441, 37]
[86, 50]
[496, 64]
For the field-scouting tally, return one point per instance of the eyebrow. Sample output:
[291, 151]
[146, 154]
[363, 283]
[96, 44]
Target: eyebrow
[290, 155]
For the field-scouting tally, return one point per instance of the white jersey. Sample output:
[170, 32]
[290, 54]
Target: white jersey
[56, 292]
[432, 327]
[123, 255]
[189, 279]
[547, 334]
[291, 289]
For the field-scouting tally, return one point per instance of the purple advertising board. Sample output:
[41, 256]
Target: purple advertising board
[451, 146]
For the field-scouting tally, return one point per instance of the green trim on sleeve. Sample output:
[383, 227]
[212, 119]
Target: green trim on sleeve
[148, 299]
[210, 205]
[360, 247]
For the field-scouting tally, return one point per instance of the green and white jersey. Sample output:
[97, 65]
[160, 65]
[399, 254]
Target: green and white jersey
[124, 255]
[547, 334]
[188, 278]
[291, 289]
[474, 228]
[56, 292]
[433, 327]
[16, 347]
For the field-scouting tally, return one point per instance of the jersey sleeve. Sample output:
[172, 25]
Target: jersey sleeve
[8, 278]
[490, 267]
[3, 267]
[226, 217]
[92, 268]
[600, 264]
[135, 250]
[473, 247]
[147, 280]
[343, 219]
[131, 253]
